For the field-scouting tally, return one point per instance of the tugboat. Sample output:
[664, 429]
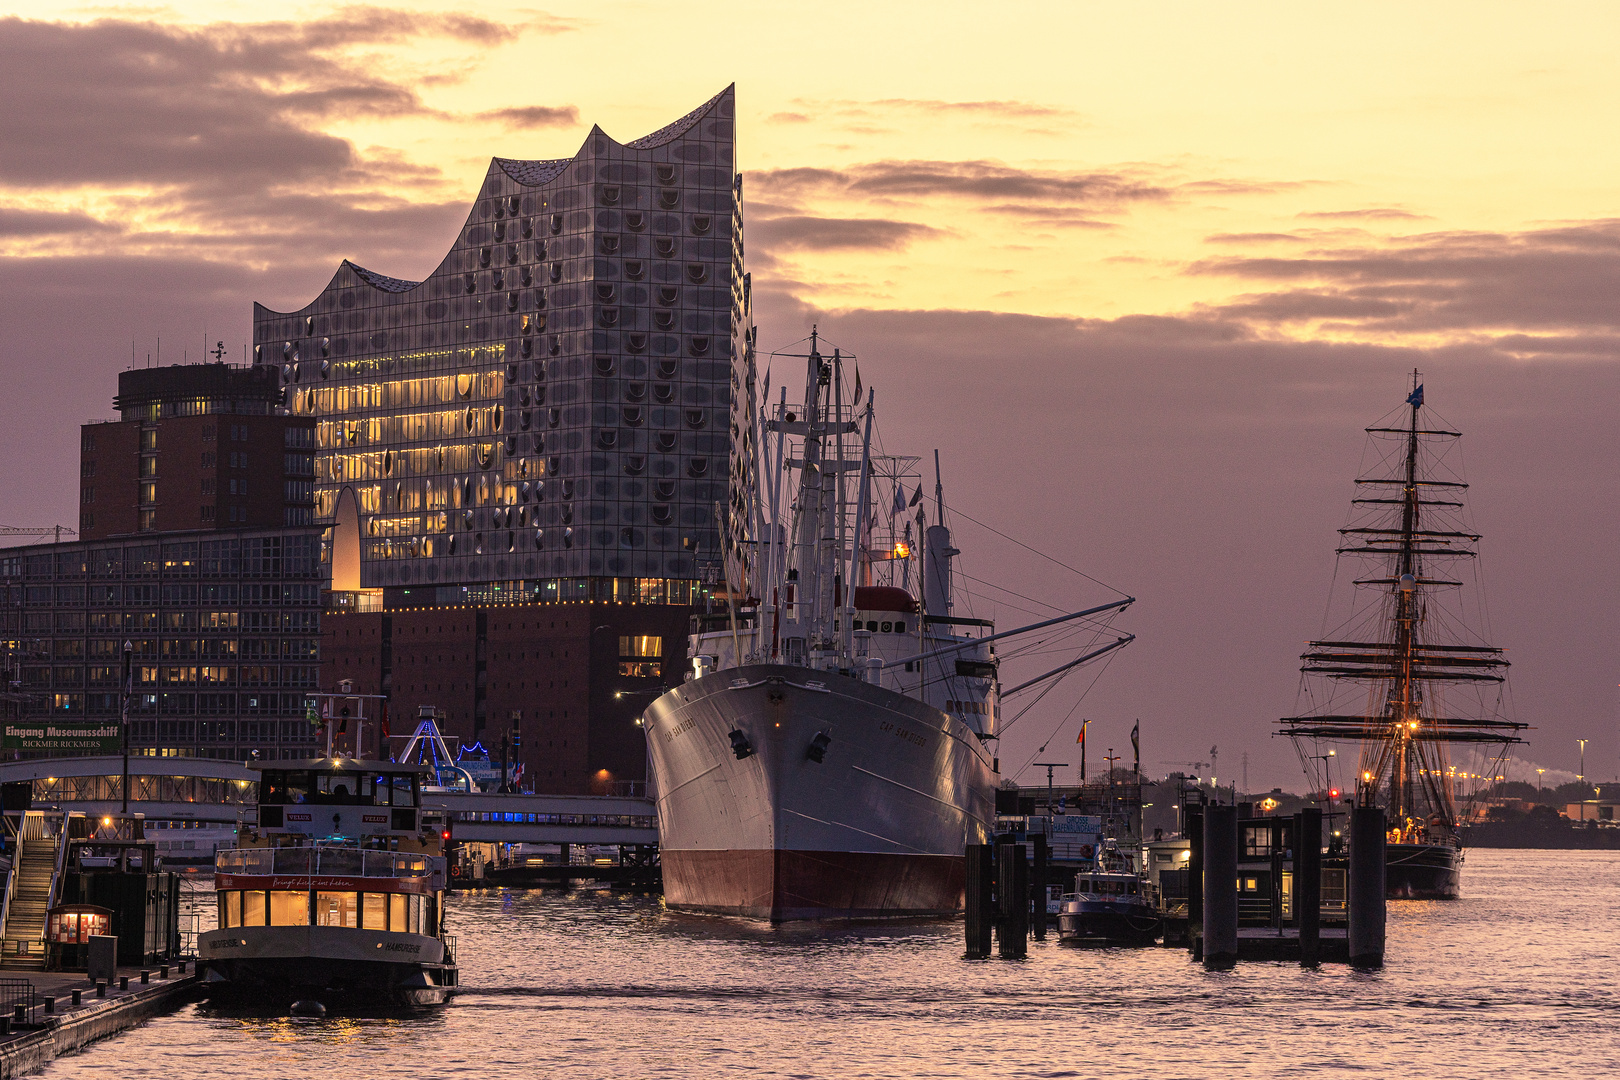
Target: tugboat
[337, 894]
[1111, 905]
[1422, 678]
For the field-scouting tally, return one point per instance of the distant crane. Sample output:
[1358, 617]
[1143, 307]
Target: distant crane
[17, 530]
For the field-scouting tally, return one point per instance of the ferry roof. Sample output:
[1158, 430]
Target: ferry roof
[341, 764]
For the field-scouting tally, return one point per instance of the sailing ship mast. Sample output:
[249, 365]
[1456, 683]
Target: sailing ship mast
[1404, 731]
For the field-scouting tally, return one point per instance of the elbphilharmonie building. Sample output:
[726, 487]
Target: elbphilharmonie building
[560, 408]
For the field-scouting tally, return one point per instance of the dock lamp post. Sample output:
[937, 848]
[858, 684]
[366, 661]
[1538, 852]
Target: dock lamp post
[1582, 776]
[1049, 766]
[1327, 771]
[1541, 784]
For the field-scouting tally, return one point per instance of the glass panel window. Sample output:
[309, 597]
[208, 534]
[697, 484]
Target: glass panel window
[253, 909]
[374, 913]
[396, 911]
[289, 909]
[337, 909]
[230, 908]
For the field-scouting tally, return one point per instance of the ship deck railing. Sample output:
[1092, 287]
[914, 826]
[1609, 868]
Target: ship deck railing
[320, 859]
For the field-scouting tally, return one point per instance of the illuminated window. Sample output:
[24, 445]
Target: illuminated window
[289, 909]
[641, 645]
[337, 909]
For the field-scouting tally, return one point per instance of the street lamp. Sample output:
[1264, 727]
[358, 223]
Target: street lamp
[1541, 785]
[1582, 776]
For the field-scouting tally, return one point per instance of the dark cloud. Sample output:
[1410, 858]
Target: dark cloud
[1377, 213]
[802, 232]
[534, 116]
[974, 180]
[17, 222]
[117, 102]
[1552, 281]
[1253, 238]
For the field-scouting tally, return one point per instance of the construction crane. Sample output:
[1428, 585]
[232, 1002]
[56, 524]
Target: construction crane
[48, 530]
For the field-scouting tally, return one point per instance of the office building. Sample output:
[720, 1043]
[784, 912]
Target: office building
[196, 446]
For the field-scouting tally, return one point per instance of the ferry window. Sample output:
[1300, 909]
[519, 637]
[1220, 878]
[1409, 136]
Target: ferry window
[394, 789]
[887, 627]
[285, 788]
[413, 918]
[900, 627]
[341, 789]
[374, 911]
[289, 909]
[253, 909]
[230, 908]
[396, 911]
[337, 909]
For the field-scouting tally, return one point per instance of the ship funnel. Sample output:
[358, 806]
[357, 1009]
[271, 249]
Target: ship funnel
[1408, 583]
[937, 555]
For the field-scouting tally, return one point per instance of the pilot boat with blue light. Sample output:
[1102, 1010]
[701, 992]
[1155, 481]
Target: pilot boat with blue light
[337, 894]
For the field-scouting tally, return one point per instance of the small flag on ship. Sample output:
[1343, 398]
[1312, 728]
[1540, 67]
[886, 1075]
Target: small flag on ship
[1416, 397]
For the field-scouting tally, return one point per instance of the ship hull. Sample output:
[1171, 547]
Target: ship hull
[1089, 922]
[1422, 872]
[875, 829]
[280, 964]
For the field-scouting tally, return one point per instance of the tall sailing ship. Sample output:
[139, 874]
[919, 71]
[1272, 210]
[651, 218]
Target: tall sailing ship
[830, 754]
[1412, 656]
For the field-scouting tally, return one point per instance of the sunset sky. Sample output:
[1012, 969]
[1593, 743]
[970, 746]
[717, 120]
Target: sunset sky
[1142, 273]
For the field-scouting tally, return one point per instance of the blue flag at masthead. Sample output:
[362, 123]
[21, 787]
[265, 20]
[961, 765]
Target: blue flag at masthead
[1416, 397]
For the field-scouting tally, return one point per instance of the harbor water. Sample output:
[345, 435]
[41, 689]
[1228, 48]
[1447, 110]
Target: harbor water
[1519, 978]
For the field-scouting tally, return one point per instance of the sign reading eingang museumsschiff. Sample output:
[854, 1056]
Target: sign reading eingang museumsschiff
[54, 737]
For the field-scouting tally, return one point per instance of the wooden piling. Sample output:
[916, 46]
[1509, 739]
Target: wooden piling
[1308, 884]
[1367, 884]
[1013, 877]
[980, 915]
[1220, 886]
[1193, 829]
[1042, 876]
[1276, 845]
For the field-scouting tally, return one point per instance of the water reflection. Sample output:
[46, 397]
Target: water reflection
[1520, 978]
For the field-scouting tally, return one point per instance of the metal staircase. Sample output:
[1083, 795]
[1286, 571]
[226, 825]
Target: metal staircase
[32, 890]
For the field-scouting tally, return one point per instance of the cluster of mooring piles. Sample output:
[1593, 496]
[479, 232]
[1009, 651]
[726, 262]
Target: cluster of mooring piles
[1230, 855]
[1245, 888]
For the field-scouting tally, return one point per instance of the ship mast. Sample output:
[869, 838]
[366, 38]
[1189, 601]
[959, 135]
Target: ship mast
[1403, 738]
[1403, 694]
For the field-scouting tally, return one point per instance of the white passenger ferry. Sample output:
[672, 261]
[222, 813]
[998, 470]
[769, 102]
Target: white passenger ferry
[337, 893]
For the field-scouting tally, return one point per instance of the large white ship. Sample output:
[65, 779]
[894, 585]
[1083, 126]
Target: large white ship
[830, 754]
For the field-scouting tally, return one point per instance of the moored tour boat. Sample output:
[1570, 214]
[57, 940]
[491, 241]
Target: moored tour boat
[336, 894]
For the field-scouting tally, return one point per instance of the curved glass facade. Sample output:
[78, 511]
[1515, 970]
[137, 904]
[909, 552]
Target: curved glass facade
[566, 396]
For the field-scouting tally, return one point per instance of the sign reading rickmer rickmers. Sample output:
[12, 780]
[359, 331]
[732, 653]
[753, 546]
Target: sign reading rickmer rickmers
[51, 737]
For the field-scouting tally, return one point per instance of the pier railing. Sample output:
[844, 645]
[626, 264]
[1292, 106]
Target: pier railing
[319, 860]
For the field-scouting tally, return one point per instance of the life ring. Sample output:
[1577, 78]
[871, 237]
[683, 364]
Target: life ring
[1085, 851]
[455, 871]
